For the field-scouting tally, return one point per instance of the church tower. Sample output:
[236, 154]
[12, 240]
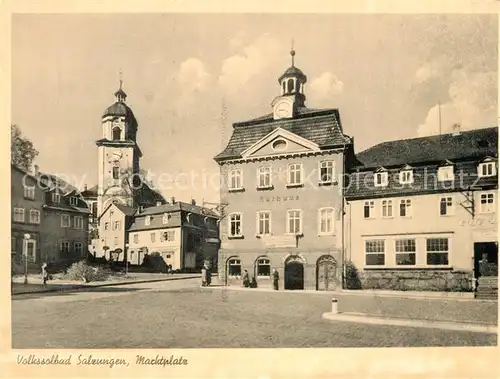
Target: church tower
[292, 84]
[119, 155]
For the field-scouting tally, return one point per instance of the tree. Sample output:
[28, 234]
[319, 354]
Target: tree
[22, 150]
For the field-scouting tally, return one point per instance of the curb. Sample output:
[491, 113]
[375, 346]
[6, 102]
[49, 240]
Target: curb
[83, 286]
[356, 293]
[447, 325]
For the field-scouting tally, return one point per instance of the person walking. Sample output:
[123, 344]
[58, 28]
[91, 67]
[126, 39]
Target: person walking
[45, 273]
[246, 279]
[276, 278]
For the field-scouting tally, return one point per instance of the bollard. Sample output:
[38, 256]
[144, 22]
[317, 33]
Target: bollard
[335, 308]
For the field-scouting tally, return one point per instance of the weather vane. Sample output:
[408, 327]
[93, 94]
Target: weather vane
[120, 74]
[292, 52]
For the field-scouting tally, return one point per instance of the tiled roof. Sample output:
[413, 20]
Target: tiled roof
[90, 192]
[128, 211]
[119, 109]
[473, 143]
[178, 206]
[322, 127]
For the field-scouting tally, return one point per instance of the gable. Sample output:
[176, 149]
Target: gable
[280, 141]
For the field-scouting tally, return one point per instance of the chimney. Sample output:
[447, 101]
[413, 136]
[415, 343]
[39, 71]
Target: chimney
[85, 187]
[193, 202]
[172, 200]
[456, 129]
[36, 170]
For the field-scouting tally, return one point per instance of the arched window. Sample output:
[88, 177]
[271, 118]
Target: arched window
[284, 86]
[263, 267]
[234, 267]
[290, 85]
[298, 87]
[117, 133]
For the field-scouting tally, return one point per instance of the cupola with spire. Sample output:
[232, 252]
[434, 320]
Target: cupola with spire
[292, 84]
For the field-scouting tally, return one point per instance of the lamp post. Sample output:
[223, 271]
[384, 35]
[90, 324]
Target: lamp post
[26, 238]
[126, 258]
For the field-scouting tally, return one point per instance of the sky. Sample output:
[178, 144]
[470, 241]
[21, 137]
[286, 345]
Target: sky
[188, 77]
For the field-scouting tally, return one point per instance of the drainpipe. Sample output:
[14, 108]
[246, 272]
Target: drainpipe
[343, 218]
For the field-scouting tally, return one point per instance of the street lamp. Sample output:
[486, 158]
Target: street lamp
[26, 238]
[126, 258]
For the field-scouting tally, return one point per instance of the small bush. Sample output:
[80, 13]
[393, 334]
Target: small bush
[82, 271]
[352, 279]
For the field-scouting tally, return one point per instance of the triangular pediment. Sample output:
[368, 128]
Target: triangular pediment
[278, 142]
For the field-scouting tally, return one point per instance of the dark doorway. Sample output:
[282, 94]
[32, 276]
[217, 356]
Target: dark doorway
[326, 274]
[485, 259]
[294, 276]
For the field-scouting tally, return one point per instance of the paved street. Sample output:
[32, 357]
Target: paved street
[179, 314]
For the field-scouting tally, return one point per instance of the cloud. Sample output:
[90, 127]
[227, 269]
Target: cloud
[253, 60]
[426, 72]
[472, 103]
[191, 81]
[324, 87]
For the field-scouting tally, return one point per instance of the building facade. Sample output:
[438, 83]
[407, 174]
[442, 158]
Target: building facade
[182, 234]
[421, 213]
[282, 193]
[52, 212]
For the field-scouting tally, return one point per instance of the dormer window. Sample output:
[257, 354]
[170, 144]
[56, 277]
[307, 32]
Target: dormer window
[381, 178]
[73, 201]
[406, 176]
[147, 221]
[446, 173]
[56, 197]
[165, 218]
[487, 168]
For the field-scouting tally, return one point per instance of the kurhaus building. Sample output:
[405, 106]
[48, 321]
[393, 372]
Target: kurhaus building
[282, 193]
[421, 213]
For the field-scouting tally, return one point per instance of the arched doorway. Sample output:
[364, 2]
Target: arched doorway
[294, 273]
[326, 273]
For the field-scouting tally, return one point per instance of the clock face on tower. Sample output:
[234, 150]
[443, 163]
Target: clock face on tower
[283, 109]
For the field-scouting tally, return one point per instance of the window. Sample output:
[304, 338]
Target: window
[295, 174]
[405, 208]
[13, 244]
[165, 218]
[487, 204]
[116, 173]
[386, 208]
[117, 134]
[65, 221]
[234, 267]
[263, 222]
[326, 221]
[65, 247]
[264, 177]
[405, 252]
[235, 220]
[446, 173]
[446, 206]
[78, 222]
[326, 172]
[106, 225]
[136, 238]
[116, 225]
[153, 237]
[56, 197]
[381, 179]
[369, 209]
[147, 220]
[235, 179]
[78, 247]
[437, 251]
[30, 250]
[116, 241]
[167, 236]
[19, 214]
[375, 253]
[263, 267]
[34, 216]
[290, 85]
[406, 177]
[73, 200]
[487, 169]
[29, 192]
[294, 218]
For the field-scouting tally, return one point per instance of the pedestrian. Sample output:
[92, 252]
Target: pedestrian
[246, 279]
[276, 278]
[170, 270]
[45, 273]
[203, 276]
